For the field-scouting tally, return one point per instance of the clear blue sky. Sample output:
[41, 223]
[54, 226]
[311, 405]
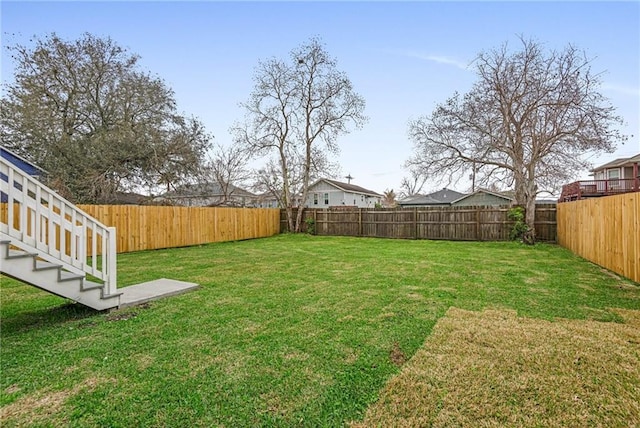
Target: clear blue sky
[403, 57]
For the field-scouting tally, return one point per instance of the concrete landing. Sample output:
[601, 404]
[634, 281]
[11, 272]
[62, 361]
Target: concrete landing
[153, 290]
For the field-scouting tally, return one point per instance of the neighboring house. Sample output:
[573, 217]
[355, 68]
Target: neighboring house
[615, 177]
[623, 168]
[441, 198]
[326, 193]
[207, 194]
[448, 197]
[127, 198]
[24, 165]
[269, 200]
[483, 198]
[29, 167]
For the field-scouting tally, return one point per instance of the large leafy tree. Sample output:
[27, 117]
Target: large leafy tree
[527, 124]
[85, 111]
[296, 112]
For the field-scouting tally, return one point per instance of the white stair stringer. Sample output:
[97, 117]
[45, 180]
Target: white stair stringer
[29, 268]
[49, 242]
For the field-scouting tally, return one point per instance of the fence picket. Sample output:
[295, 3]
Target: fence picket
[153, 227]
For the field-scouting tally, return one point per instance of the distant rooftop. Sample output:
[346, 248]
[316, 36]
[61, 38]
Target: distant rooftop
[351, 187]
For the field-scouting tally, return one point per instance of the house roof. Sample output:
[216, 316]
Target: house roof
[420, 200]
[348, 187]
[441, 197]
[204, 190]
[22, 163]
[502, 195]
[618, 163]
[446, 195]
[127, 198]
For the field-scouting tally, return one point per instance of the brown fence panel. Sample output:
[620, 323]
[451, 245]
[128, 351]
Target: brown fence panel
[153, 227]
[487, 223]
[605, 231]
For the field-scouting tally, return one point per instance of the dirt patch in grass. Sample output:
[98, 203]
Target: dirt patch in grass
[396, 356]
[121, 316]
[493, 368]
[43, 405]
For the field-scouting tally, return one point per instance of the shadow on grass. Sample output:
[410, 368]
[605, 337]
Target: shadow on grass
[34, 319]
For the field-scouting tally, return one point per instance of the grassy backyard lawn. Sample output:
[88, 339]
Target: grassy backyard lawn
[298, 330]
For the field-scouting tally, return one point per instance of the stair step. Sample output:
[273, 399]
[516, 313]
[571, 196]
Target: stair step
[111, 296]
[44, 265]
[16, 254]
[90, 285]
[68, 276]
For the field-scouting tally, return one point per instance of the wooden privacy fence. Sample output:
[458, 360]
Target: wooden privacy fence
[488, 223]
[153, 227]
[605, 231]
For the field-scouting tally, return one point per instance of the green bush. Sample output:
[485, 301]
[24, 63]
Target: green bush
[311, 225]
[520, 228]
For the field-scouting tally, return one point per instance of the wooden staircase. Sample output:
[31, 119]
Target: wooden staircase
[48, 242]
[29, 268]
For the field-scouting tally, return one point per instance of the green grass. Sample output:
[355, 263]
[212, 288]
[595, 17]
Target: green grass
[293, 330]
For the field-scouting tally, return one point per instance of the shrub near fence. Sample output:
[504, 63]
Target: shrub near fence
[605, 231]
[487, 223]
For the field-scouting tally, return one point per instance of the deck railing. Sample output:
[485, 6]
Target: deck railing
[595, 188]
[36, 219]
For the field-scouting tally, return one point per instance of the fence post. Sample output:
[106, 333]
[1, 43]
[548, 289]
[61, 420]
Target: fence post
[315, 221]
[415, 222]
[359, 221]
[478, 235]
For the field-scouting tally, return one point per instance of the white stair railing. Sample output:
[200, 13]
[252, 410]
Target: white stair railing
[37, 219]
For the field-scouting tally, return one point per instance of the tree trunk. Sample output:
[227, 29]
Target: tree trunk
[298, 220]
[526, 191]
[289, 210]
[529, 236]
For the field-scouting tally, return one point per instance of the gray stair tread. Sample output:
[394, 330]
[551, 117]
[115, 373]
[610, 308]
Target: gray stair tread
[111, 296]
[20, 253]
[88, 285]
[68, 276]
[152, 290]
[41, 265]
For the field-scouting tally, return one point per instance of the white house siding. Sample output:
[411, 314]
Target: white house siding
[624, 172]
[336, 197]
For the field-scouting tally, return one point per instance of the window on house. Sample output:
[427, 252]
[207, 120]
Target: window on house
[315, 199]
[326, 199]
[613, 175]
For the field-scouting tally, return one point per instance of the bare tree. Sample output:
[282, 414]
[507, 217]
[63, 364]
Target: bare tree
[85, 112]
[527, 123]
[295, 108]
[269, 177]
[228, 169]
[413, 184]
